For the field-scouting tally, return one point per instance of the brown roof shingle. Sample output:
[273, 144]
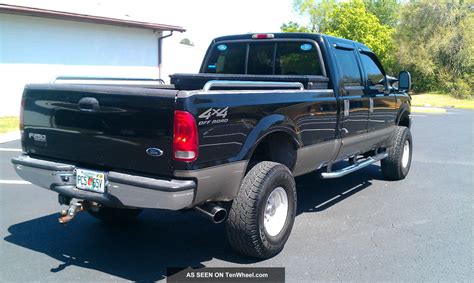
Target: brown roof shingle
[44, 13]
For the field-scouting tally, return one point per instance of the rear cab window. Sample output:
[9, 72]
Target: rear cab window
[297, 58]
[264, 58]
[227, 59]
[260, 59]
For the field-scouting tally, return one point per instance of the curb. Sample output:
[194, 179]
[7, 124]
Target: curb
[11, 136]
[435, 110]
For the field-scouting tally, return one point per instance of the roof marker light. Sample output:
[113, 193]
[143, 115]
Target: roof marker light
[263, 35]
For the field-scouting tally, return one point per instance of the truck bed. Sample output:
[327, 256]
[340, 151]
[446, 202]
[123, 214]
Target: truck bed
[62, 123]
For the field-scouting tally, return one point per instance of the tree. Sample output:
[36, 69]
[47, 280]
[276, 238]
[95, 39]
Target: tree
[351, 20]
[387, 11]
[314, 11]
[435, 42]
[293, 27]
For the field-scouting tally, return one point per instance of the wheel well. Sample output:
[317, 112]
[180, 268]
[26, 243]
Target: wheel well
[278, 147]
[404, 120]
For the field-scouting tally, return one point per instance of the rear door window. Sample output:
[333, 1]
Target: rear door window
[346, 59]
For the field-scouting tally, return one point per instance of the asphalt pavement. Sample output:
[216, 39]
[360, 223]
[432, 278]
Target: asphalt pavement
[356, 228]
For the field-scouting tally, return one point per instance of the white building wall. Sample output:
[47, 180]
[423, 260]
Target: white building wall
[36, 50]
[180, 58]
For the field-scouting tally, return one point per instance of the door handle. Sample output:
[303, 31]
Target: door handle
[347, 107]
[89, 104]
[371, 105]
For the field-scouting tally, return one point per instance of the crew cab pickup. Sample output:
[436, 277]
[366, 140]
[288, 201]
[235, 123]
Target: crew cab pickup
[227, 141]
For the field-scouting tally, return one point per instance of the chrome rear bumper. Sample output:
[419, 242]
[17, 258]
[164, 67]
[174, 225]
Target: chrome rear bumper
[122, 190]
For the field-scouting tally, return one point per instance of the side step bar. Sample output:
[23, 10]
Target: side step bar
[349, 169]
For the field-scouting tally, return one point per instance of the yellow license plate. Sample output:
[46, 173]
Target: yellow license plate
[90, 180]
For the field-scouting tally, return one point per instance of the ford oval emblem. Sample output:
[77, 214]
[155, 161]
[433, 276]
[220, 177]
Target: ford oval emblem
[155, 152]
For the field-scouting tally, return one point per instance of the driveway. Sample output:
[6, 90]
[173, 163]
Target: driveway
[357, 228]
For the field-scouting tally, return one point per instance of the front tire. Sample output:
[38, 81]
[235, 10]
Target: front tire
[397, 164]
[262, 216]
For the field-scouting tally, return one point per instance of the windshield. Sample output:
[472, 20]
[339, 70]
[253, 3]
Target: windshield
[264, 58]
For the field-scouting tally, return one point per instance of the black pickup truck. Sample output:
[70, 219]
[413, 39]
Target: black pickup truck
[227, 141]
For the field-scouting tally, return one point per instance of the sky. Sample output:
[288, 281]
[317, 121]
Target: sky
[203, 19]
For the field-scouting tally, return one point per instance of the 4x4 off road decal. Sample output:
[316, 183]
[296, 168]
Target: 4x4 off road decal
[213, 116]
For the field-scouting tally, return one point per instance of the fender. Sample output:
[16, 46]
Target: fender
[267, 125]
[404, 108]
[224, 184]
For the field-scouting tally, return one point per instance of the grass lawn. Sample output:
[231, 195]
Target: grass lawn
[8, 124]
[441, 100]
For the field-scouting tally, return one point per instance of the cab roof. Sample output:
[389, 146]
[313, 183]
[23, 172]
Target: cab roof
[291, 35]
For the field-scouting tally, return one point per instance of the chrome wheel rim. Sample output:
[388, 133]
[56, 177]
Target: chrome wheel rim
[276, 211]
[406, 154]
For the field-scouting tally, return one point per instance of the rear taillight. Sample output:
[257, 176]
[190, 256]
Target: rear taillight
[22, 108]
[185, 137]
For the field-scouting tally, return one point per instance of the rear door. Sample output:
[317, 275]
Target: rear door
[355, 104]
[97, 127]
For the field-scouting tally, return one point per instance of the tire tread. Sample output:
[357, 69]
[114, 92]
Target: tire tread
[242, 225]
[392, 168]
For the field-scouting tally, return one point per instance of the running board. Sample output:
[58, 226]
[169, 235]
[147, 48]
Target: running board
[354, 167]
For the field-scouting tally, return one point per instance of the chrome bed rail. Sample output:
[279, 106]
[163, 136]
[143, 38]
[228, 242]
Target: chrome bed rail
[250, 84]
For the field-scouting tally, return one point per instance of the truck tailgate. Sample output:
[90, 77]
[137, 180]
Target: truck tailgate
[100, 127]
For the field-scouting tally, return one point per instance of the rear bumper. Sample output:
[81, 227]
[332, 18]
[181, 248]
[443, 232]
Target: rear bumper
[122, 190]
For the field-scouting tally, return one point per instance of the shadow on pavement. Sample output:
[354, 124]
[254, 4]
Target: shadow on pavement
[141, 251]
[315, 194]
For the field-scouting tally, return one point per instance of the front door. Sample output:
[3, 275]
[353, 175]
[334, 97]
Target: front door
[382, 105]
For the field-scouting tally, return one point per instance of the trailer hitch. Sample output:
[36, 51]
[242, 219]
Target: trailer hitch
[68, 214]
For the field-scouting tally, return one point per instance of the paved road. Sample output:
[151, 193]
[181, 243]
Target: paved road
[358, 228]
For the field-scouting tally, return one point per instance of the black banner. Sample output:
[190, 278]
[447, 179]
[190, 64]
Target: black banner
[226, 274]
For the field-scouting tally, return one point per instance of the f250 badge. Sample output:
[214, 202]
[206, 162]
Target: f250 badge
[37, 137]
[213, 116]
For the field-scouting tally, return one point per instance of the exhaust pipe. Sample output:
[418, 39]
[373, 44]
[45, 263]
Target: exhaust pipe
[212, 211]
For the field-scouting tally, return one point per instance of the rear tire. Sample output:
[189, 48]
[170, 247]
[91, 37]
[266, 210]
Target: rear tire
[262, 215]
[397, 164]
[115, 215]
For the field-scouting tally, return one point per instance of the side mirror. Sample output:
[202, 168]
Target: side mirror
[404, 81]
